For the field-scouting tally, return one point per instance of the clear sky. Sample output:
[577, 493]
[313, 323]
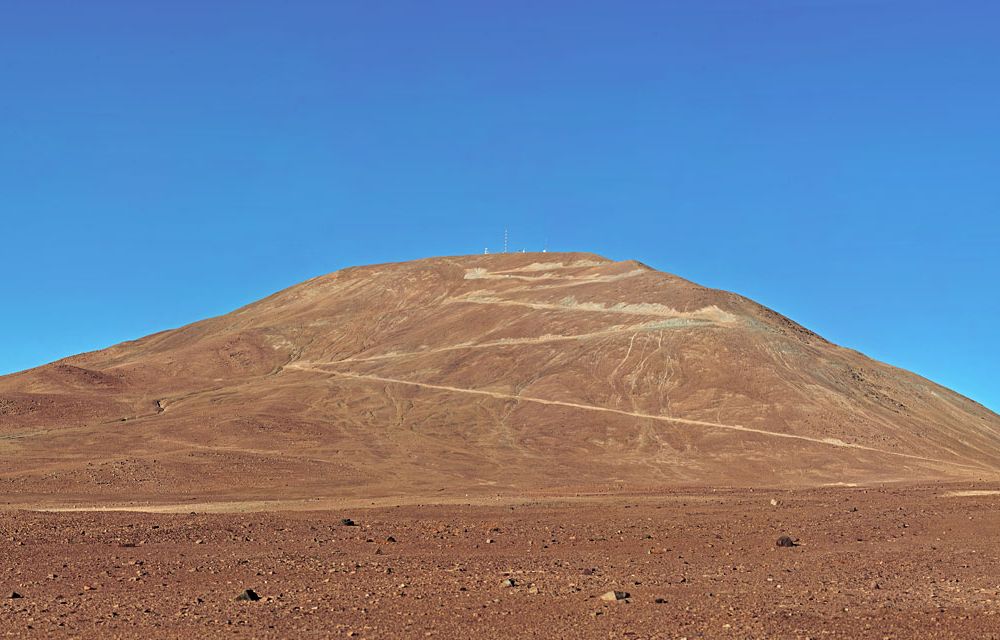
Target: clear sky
[836, 160]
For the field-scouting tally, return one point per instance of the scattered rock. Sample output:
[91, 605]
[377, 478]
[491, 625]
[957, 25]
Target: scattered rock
[774, 502]
[615, 596]
[660, 601]
[248, 596]
[390, 539]
[785, 541]
[509, 582]
[14, 595]
[347, 522]
[588, 572]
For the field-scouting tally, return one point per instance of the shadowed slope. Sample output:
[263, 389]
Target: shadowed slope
[479, 374]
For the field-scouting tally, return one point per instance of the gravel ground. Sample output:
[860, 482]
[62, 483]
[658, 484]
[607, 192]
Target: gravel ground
[879, 563]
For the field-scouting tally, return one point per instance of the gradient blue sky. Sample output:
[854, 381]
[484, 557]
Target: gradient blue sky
[836, 160]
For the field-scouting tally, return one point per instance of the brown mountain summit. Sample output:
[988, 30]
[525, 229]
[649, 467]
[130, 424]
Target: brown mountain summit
[478, 375]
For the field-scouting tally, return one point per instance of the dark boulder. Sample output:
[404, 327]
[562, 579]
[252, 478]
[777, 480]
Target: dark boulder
[248, 596]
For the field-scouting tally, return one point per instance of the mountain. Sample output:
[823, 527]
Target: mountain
[479, 375]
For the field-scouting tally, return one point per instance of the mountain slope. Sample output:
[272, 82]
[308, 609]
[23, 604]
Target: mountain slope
[479, 374]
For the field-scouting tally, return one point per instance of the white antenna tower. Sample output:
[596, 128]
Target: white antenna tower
[505, 239]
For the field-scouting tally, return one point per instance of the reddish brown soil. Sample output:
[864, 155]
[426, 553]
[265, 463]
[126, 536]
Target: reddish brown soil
[875, 563]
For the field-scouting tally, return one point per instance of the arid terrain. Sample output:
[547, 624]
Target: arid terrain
[569, 423]
[871, 563]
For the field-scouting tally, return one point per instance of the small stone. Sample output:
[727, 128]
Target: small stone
[785, 541]
[509, 582]
[347, 522]
[660, 601]
[615, 596]
[248, 596]
[774, 502]
[489, 540]
[390, 539]
[14, 595]
[533, 590]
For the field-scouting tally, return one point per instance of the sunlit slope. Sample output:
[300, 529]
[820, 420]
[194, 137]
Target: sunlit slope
[480, 374]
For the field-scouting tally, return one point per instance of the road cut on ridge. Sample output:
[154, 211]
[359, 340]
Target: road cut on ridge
[315, 367]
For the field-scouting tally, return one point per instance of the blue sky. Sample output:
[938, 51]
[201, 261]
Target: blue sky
[836, 160]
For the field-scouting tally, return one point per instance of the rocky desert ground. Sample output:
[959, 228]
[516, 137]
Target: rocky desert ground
[913, 562]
